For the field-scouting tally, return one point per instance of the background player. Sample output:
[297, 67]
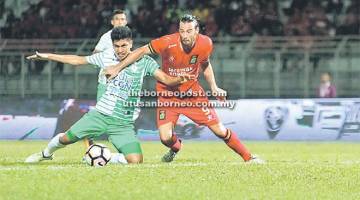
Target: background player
[114, 112]
[118, 19]
[186, 52]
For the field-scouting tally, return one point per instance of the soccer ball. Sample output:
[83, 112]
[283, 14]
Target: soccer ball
[97, 155]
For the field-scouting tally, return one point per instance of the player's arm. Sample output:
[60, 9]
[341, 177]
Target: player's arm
[210, 79]
[169, 80]
[66, 59]
[112, 71]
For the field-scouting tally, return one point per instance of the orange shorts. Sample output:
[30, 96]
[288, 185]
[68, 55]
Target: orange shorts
[200, 115]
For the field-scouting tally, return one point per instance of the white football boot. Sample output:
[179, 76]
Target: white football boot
[118, 158]
[37, 157]
[255, 160]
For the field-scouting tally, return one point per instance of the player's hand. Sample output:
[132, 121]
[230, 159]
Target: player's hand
[38, 56]
[111, 72]
[219, 93]
[187, 77]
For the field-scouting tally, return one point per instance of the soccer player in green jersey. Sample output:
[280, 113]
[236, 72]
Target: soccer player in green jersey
[118, 19]
[112, 113]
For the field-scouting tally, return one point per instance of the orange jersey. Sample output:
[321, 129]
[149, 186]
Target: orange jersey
[175, 61]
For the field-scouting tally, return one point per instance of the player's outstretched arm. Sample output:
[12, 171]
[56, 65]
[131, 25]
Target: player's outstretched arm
[219, 93]
[169, 80]
[112, 71]
[66, 59]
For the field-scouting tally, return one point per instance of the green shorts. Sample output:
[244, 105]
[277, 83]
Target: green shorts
[94, 124]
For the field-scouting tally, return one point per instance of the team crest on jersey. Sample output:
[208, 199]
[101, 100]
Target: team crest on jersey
[193, 59]
[171, 59]
[162, 114]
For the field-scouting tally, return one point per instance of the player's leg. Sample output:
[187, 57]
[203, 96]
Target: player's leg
[88, 142]
[231, 140]
[207, 116]
[91, 124]
[58, 142]
[124, 139]
[166, 120]
[132, 152]
[129, 153]
[169, 138]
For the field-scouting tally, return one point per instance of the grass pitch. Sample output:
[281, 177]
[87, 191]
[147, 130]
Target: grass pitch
[203, 170]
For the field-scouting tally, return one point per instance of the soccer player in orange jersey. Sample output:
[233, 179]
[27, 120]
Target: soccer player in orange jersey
[186, 52]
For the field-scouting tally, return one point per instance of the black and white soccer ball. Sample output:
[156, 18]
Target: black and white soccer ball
[97, 155]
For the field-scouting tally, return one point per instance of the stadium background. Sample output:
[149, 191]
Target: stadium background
[268, 55]
[262, 49]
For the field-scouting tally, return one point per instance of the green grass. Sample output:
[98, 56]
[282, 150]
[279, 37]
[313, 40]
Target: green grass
[203, 170]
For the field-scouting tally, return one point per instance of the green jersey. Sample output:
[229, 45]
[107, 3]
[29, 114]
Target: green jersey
[114, 101]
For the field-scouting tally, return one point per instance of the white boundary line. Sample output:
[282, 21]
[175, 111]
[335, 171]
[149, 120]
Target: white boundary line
[173, 165]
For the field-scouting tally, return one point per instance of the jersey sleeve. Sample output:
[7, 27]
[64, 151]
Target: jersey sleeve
[96, 59]
[150, 66]
[208, 48]
[103, 59]
[157, 46]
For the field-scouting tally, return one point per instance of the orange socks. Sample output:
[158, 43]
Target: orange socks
[174, 144]
[234, 143]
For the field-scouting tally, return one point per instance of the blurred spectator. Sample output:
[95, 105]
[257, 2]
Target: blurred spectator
[351, 25]
[333, 10]
[334, 6]
[241, 27]
[142, 20]
[319, 24]
[297, 25]
[211, 28]
[326, 89]
[89, 18]
[201, 12]
[270, 22]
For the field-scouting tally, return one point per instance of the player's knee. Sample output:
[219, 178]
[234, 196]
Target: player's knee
[64, 139]
[223, 134]
[165, 139]
[166, 132]
[134, 159]
[219, 130]
[165, 136]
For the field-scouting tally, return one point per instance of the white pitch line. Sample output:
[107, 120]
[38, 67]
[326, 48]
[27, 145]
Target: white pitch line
[33, 167]
[172, 165]
[62, 167]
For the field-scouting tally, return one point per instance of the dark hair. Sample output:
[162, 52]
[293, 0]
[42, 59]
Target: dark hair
[117, 12]
[121, 32]
[190, 18]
